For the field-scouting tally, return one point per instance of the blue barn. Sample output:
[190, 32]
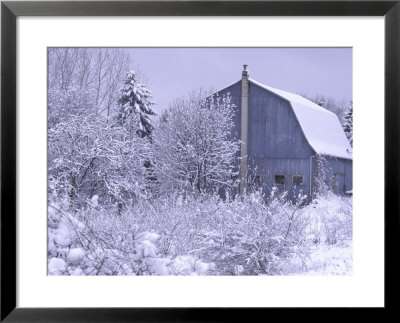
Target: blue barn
[282, 136]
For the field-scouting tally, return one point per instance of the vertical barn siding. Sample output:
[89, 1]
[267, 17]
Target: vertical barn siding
[349, 174]
[274, 131]
[277, 144]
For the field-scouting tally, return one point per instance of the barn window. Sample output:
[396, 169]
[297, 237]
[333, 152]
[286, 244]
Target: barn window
[297, 180]
[234, 177]
[279, 179]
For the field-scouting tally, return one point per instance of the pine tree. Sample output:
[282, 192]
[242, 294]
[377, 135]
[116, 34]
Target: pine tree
[348, 123]
[135, 106]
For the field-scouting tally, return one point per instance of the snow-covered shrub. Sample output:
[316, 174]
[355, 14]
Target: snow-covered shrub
[87, 156]
[94, 242]
[188, 235]
[258, 238]
[248, 237]
[320, 176]
[331, 218]
[56, 266]
[189, 266]
[100, 245]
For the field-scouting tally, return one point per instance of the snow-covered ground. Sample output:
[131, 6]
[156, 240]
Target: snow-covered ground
[329, 260]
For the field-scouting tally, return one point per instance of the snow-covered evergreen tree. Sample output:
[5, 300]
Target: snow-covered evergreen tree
[348, 123]
[135, 106]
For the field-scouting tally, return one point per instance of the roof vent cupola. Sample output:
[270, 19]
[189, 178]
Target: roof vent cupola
[245, 72]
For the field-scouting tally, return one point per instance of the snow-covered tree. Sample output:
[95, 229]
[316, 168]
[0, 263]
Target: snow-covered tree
[348, 123]
[321, 180]
[87, 156]
[135, 106]
[193, 148]
[92, 75]
[71, 101]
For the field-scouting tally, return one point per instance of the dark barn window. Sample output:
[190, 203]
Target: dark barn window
[297, 180]
[279, 179]
[234, 177]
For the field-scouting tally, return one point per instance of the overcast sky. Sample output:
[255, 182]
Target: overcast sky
[173, 72]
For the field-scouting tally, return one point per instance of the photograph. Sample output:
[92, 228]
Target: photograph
[195, 161]
[210, 161]
[170, 161]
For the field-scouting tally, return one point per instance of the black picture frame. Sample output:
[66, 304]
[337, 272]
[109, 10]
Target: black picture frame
[10, 10]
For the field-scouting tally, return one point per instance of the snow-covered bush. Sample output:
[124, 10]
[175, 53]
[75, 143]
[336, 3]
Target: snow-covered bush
[330, 214]
[320, 184]
[246, 237]
[331, 218]
[188, 235]
[258, 238]
[87, 156]
[97, 243]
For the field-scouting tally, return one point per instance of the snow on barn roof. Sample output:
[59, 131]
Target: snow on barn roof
[321, 127]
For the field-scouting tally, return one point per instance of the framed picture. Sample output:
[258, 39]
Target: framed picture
[35, 259]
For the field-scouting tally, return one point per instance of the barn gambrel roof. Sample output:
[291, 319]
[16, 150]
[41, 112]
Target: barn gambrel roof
[321, 127]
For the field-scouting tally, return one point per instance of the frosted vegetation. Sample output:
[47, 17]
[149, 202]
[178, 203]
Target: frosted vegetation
[130, 194]
[177, 236]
